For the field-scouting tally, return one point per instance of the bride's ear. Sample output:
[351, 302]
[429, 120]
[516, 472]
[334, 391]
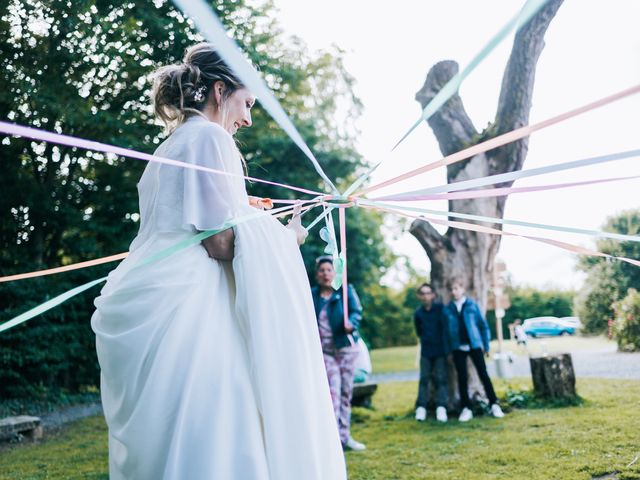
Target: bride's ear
[218, 90]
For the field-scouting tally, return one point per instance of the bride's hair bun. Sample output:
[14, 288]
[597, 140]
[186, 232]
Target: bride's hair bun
[182, 90]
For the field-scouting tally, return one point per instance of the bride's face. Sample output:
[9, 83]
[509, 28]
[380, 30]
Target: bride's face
[237, 110]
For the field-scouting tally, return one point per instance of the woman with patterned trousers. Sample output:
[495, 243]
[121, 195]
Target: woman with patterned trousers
[338, 344]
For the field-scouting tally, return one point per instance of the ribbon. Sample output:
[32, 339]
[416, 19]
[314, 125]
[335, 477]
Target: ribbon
[70, 141]
[493, 231]
[345, 286]
[499, 192]
[506, 138]
[213, 30]
[453, 85]
[530, 8]
[66, 268]
[112, 258]
[48, 305]
[481, 218]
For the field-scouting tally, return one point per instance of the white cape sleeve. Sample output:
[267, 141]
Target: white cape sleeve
[210, 199]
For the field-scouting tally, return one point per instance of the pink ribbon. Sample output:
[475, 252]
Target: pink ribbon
[493, 231]
[38, 134]
[497, 192]
[112, 258]
[505, 138]
[345, 288]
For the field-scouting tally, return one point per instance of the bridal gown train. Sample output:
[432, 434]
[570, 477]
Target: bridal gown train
[212, 370]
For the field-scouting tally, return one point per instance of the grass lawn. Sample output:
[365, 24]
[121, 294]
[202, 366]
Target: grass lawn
[399, 359]
[598, 437]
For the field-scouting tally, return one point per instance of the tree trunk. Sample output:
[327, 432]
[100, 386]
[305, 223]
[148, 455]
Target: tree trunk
[460, 253]
[553, 376]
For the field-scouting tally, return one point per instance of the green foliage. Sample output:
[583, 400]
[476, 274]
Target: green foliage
[627, 322]
[83, 68]
[608, 281]
[526, 398]
[527, 302]
[388, 317]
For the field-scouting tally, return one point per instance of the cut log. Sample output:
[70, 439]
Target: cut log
[553, 376]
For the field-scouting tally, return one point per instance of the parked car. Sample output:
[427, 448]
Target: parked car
[550, 326]
[572, 322]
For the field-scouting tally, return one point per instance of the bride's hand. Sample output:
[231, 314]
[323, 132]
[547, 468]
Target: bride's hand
[295, 224]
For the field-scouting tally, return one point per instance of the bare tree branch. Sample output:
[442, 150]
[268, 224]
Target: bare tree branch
[451, 125]
[516, 93]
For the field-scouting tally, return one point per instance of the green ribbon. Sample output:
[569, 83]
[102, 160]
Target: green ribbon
[196, 239]
[453, 85]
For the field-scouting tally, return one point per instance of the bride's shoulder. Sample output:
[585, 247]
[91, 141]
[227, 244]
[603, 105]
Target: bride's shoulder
[197, 130]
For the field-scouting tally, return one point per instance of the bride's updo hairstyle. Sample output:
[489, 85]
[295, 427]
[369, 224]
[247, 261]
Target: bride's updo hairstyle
[182, 90]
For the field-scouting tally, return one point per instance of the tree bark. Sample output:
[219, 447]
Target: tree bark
[553, 376]
[460, 253]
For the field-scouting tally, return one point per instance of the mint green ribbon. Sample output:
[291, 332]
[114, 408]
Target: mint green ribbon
[453, 85]
[196, 239]
[48, 305]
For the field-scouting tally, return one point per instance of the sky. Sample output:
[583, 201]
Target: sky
[592, 50]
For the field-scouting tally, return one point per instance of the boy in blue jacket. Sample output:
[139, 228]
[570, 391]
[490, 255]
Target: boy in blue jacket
[469, 337]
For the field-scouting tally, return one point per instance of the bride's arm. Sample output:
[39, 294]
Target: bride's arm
[220, 246]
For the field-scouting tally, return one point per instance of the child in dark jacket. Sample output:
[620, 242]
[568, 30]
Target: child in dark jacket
[431, 328]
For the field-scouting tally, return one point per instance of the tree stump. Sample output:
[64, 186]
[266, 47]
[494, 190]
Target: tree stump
[553, 376]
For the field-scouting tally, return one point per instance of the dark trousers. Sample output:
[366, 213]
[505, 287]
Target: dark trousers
[437, 365]
[460, 360]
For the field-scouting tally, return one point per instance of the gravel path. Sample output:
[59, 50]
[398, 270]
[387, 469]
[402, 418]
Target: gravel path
[602, 363]
[58, 418]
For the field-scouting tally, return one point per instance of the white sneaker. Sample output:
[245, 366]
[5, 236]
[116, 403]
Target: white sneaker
[441, 414]
[421, 414]
[354, 445]
[465, 415]
[496, 411]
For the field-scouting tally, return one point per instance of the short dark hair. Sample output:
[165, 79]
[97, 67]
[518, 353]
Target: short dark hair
[423, 286]
[323, 259]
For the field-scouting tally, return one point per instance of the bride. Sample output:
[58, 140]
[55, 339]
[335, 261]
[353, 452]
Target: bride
[211, 365]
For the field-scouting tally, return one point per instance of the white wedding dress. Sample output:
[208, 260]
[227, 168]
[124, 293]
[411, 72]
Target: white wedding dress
[212, 370]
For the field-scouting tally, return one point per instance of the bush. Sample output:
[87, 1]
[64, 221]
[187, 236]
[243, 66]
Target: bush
[387, 317]
[627, 322]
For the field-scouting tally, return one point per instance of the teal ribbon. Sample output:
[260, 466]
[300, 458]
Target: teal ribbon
[48, 305]
[212, 29]
[196, 239]
[453, 85]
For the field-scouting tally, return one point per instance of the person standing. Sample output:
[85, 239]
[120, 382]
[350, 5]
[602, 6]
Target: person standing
[469, 337]
[431, 328]
[211, 366]
[339, 344]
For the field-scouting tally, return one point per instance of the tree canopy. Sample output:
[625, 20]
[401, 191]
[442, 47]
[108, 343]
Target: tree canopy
[608, 281]
[83, 68]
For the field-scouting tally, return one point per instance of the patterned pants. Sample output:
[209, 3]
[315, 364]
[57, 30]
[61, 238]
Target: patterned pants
[340, 365]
